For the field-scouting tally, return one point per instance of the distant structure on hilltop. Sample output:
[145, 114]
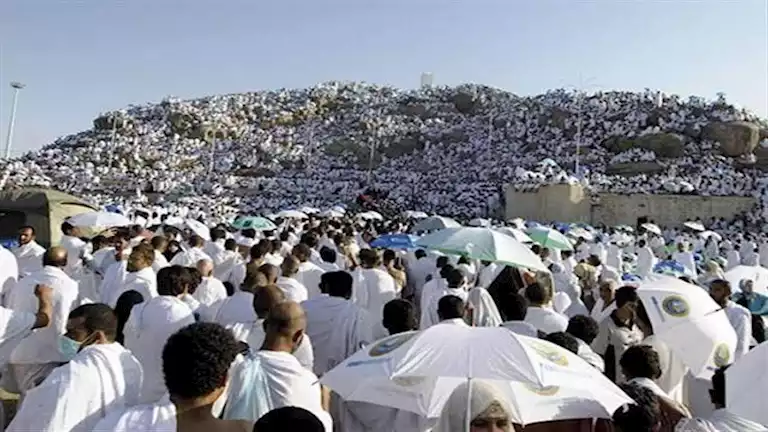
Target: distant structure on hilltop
[426, 79]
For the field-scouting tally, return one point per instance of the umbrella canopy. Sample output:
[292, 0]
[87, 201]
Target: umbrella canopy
[395, 241]
[330, 213]
[578, 232]
[745, 381]
[479, 222]
[309, 210]
[371, 215]
[418, 371]
[696, 226]
[515, 233]
[483, 244]
[669, 267]
[410, 214]
[549, 238]
[686, 318]
[99, 219]
[434, 223]
[254, 222]
[707, 234]
[652, 228]
[292, 214]
[757, 274]
[198, 228]
[625, 228]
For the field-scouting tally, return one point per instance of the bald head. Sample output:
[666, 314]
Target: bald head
[272, 272]
[266, 298]
[205, 267]
[285, 319]
[55, 257]
[290, 266]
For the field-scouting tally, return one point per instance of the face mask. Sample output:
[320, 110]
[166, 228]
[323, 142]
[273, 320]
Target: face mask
[68, 347]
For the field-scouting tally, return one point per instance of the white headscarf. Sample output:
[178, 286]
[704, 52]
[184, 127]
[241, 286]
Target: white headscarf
[454, 415]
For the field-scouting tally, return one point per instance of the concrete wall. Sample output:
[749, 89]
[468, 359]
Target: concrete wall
[567, 203]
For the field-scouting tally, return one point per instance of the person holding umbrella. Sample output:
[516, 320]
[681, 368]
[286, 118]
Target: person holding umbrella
[739, 316]
[618, 332]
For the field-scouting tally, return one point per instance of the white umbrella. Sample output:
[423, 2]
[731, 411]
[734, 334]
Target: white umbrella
[579, 232]
[417, 372]
[292, 214]
[309, 210]
[745, 382]
[479, 222]
[410, 214]
[483, 244]
[434, 223]
[757, 274]
[99, 219]
[686, 318]
[696, 226]
[653, 228]
[515, 233]
[707, 234]
[371, 215]
[339, 209]
[198, 228]
[331, 214]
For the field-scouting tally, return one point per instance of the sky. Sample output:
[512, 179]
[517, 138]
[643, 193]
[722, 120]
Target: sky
[81, 58]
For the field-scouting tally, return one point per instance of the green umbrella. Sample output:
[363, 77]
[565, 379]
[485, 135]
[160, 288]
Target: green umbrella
[254, 222]
[549, 238]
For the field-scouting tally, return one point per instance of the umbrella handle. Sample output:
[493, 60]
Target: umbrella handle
[468, 420]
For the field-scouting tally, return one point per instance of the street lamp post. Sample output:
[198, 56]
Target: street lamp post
[12, 123]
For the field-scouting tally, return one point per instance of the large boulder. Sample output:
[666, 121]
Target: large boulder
[735, 138]
[465, 103]
[666, 145]
[634, 168]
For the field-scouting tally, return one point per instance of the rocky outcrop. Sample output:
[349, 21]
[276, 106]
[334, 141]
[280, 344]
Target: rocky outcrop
[634, 168]
[666, 145]
[735, 138]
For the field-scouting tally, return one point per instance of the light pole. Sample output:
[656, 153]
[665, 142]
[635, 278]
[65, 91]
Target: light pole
[9, 140]
[114, 133]
[213, 131]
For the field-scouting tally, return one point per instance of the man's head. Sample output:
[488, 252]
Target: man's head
[260, 249]
[142, 256]
[26, 234]
[451, 307]
[327, 254]
[563, 340]
[641, 416]
[720, 291]
[627, 300]
[230, 245]
[538, 295]
[399, 316]
[173, 281]
[337, 284]
[196, 362]
[196, 241]
[640, 361]
[218, 234]
[513, 306]
[272, 272]
[302, 252]
[420, 253]
[284, 326]
[442, 261]
[290, 266]
[91, 324]
[205, 267]
[67, 229]
[607, 290]
[55, 256]
[369, 258]
[265, 298]
[583, 327]
[289, 418]
[455, 279]
[160, 243]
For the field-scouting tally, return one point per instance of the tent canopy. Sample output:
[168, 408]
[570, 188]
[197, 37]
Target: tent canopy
[42, 209]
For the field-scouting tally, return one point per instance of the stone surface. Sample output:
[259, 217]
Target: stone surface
[735, 138]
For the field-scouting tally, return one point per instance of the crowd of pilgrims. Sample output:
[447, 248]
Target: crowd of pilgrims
[292, 147]
[169, 332]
